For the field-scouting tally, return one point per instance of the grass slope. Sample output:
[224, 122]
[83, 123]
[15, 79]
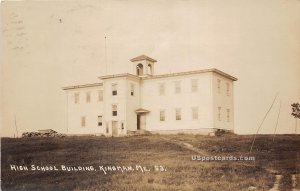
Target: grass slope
[182, 173]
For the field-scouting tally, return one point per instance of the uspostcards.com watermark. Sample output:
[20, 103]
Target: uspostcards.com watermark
[222, 158]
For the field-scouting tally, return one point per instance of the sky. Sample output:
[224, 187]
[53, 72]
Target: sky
[46, 45]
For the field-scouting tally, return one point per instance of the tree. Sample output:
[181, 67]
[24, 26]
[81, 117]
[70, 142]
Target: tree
[295, 113]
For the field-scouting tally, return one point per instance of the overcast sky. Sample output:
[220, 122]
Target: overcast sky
[49, 44]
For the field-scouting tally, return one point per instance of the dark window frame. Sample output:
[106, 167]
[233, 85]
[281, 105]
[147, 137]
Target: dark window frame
[100, 123]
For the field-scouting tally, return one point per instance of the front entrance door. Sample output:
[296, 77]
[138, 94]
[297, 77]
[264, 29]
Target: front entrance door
[114, 128]
[141, 121]
[138, 117]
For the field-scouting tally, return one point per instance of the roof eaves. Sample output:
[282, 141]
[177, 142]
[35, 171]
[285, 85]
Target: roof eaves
[117, 76]
[143, 57]
[191, 72]
[82, 86]
[224, 74]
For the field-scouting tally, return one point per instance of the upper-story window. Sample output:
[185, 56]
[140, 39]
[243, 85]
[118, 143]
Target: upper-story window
[132, 89]
[162, 89]
[219, 85]
[177, 87]
[162, 116]
[114, 88]
[219, 113]
[100, 95]
[114, 110]
[76, 98]
[178, 114]
[88, 97]
[195, 113]
[194, 85]
[227, 89]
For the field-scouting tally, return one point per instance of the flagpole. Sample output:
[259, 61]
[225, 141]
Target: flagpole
[105, 55]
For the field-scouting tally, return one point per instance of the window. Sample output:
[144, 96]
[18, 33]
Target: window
[177, 87]
[114, 88]
[88, 97]
[195, 113]
[76, 100]
[114, 110]
[219, 113]
[99, 120]
[228, 115]
[228, 89]
[162, 89]
[162, 115]
[107, 128]
[132, 89]
[122, 126]
[100, 95]
[219, 85]
[178, 114]
[83, 121]
[194, 85]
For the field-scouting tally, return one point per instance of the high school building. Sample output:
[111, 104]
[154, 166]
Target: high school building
[199, 101]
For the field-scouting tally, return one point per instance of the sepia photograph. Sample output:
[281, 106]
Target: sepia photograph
[143, 95]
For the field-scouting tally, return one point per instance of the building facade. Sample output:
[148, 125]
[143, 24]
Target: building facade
[198, 102]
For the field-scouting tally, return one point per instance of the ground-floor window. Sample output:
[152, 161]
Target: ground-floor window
[99, 120]
[83, 121]
[195, 113]
[219, 113]
[107, 128]
[228, 115]
[162, 115]
[178, 114]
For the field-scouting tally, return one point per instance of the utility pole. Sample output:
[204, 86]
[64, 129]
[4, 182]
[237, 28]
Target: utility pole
[105, 56]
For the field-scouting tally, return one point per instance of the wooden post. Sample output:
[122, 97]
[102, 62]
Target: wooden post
[277, 121]
[262, 122]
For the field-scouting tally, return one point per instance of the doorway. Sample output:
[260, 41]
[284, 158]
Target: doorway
[114, 128]
[138, 117]
[141, 121]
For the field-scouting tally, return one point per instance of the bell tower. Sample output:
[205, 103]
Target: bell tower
[143, 66]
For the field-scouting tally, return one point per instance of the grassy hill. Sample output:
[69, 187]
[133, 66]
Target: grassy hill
[167, 161]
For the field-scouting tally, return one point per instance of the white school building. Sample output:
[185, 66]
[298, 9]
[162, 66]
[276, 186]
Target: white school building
[198, 102]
